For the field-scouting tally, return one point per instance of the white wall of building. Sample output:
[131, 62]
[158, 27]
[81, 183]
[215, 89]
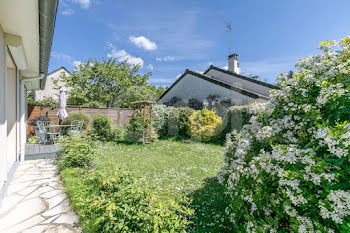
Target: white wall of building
[3, 110]
[50, 90]
[12, 114]
[11, 118]
[191, 86]
[241, 83]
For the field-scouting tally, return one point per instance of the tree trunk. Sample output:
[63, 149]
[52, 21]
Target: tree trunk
[114, 98]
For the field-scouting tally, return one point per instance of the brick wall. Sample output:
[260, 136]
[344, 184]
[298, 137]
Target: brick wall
[119, 116]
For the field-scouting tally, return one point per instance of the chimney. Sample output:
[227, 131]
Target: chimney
[233, 64]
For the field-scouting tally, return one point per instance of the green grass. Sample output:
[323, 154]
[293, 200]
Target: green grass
[176, 169]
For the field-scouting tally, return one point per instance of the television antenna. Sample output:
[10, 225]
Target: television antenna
[229, 31]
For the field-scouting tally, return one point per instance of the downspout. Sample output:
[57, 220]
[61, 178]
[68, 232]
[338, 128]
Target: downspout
[47, 19]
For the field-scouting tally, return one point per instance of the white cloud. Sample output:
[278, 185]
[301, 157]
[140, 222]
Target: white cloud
[150, 66]
[83, 3]
[224, 67]
[68, 11]
[143, 42]
[76, 64]
[62, 56]
[166, 58]
[122, 55]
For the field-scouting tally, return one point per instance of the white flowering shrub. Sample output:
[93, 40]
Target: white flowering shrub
[288, 170]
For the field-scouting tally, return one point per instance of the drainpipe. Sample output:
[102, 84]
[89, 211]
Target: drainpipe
[27, 81]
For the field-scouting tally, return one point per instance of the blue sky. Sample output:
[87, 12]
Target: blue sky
[167, 37]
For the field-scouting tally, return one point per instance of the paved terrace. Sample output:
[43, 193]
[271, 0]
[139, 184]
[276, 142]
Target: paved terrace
[35, 200]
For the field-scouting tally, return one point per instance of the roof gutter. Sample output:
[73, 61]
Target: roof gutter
[47, 19]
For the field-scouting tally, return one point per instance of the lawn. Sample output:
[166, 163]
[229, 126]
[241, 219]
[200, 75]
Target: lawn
[177, 169]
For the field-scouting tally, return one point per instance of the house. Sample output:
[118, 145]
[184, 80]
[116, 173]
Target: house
[226, 84]
[26, 32]
[51, 87]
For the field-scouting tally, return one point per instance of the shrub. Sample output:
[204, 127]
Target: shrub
[177, 121]
[135, 127]
[75, 152]
[160, 117]
[288, 170]
[102, 127]
[111, 200]
[204, 125]
[34, 120]
[195, 104]
[77, 116]
[118, 133]
[237, 117]
[183, 115]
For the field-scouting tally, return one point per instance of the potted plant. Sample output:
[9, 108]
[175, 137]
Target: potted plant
[33, 123]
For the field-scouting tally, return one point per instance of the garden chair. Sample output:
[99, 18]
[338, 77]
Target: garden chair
[49, 136]
[76, 128]
[42, 131]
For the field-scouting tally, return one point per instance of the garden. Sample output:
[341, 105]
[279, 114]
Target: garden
[285, 166]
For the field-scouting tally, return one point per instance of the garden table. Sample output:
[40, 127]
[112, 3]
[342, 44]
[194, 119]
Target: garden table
[60, 128]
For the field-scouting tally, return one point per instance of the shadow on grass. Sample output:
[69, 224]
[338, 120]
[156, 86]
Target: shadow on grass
[209, 204]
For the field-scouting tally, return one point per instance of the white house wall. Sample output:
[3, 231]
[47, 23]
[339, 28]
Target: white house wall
[11, 118]
[3, 108]
[191, 86]
[238, 82]
[12, 115]
[50, 91]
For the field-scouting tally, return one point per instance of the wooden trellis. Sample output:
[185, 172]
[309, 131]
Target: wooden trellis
[146, 107]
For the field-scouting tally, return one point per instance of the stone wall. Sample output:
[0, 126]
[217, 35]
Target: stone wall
[119, 116]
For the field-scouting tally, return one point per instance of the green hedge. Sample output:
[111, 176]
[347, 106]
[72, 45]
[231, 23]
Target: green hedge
[236, 118]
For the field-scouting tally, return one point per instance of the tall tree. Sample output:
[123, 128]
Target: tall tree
[103, 81]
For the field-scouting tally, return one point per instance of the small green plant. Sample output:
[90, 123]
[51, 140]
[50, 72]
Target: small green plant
[77, 116]
[102, 127]
[118, 134]
[33, 139]
[204, 125]
[76, 152]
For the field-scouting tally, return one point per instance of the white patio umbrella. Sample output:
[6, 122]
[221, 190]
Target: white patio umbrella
[62, 113]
